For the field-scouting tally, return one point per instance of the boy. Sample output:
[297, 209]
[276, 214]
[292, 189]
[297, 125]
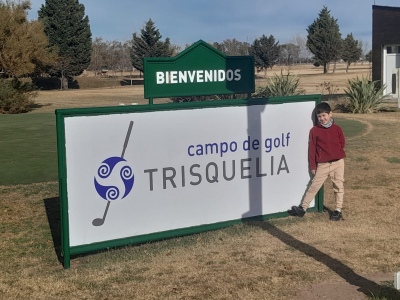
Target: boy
[326, 157]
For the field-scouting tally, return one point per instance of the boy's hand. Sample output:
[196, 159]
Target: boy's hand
[313, 172]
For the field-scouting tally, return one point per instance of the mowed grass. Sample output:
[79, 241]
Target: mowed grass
[28, 150]
[351, 128]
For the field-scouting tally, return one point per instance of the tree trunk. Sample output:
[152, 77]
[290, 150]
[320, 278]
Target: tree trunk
[64, 82]
[326, 67]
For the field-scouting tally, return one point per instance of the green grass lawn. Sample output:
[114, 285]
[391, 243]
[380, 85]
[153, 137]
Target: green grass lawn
[28, 149]
[351, 128]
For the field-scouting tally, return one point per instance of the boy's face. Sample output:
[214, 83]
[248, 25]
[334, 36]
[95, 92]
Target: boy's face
[324, 117]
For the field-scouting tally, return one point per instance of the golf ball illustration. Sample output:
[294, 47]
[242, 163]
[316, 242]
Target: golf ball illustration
[114, 179]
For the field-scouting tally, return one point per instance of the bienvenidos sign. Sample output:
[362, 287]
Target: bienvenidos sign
[131, 174]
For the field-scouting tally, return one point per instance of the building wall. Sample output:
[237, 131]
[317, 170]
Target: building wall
[385, 31]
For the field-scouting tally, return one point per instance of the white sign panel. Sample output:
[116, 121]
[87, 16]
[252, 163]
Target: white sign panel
[139, 173]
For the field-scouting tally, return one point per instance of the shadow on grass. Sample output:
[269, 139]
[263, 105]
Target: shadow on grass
[333, 97]
[364, 285]
[53, 212]
[36, 106]
[52, 206]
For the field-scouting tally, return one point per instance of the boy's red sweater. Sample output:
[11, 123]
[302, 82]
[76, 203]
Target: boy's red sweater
[325, 145]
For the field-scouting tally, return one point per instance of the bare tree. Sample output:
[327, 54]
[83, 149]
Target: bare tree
[289, 54]
[111, 56]
[301, 42]
[364, 45]
[115, 57]
[175, 49]
[232, 47]
[98, 59]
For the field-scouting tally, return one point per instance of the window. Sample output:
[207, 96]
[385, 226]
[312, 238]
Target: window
[394, 81]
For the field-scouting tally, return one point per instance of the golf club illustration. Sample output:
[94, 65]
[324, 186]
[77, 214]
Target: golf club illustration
[100, 221]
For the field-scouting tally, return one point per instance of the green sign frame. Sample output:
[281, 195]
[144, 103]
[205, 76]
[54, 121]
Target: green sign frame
[198, 71]
[67, 251]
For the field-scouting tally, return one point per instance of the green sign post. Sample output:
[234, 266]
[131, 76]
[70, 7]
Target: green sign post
[198, 70]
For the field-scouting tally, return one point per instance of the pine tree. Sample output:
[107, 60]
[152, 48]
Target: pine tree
[324, 39]
[68, 30]
[265, 51]
[368, 56]
[148, 44]
[351, 50]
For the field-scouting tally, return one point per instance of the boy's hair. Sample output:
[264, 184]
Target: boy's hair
[322, 108]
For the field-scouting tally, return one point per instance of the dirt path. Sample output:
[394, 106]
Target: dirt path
[341, 289]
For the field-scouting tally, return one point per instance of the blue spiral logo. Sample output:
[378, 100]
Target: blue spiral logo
[114, 179]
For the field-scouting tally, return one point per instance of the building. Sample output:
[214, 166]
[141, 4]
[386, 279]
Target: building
[386, 47]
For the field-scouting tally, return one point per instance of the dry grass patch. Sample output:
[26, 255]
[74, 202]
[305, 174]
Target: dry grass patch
[48, 101]
[312, 81]
[259, 260]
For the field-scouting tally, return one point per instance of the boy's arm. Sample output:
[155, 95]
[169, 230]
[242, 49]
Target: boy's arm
[312, 148]
[341, 138]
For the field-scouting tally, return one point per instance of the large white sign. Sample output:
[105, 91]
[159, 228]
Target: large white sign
[138, 173]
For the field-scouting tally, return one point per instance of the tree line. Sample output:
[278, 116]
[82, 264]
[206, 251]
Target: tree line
[60, 44]
[322, 46]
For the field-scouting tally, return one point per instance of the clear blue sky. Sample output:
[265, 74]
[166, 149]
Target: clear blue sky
[187, 21]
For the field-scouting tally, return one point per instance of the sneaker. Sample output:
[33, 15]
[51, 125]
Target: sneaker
[298, 211]
[336, 216]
